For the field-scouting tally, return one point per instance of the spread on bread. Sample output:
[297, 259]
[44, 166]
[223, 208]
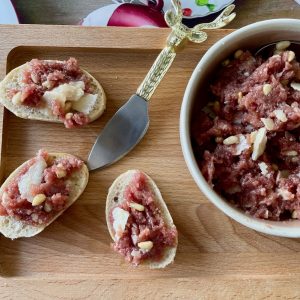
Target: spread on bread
[40, 189]
[58, 90]
[140, 230]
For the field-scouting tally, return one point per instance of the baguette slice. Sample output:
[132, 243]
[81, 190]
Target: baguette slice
[117, 190]
[14, 80]
[12, 228]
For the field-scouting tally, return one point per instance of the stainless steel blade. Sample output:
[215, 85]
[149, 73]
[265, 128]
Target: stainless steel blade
[123, 131]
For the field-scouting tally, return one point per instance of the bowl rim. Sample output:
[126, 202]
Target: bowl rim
[276, 228]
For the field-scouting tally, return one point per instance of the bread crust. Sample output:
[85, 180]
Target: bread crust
[117, 189]
[13, 80]
[13, 229]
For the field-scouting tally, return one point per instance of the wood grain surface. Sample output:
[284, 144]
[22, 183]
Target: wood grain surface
[217, 258]
[72, 11]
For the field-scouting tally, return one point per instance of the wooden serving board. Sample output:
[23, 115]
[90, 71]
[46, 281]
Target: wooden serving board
[72, 258]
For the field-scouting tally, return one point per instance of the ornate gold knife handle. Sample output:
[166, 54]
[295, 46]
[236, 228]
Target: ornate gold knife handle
[156, 73]
[179, 33]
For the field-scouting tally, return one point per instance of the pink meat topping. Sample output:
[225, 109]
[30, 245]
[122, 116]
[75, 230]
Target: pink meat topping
[147, 225]
[42, 76]
[77, 119]
[55, 189]
[246, 93]
[54, 73]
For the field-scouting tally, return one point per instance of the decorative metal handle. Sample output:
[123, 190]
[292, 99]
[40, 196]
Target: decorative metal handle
[179, 33]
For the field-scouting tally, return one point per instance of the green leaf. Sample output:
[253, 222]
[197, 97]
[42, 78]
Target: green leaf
[201, 2]
[211, 7]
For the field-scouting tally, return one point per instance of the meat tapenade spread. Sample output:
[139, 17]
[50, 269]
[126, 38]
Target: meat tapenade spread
[246, 139]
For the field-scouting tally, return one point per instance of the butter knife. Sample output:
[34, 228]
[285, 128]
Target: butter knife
[130, 123]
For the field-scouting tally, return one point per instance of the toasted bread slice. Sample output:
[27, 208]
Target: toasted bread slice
[115, 197]
[14, 80]
[12, 228]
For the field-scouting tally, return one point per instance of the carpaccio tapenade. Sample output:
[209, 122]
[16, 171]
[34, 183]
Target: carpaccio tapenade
[58, 85]
[40, 190]
[140, 231]
[246, 139]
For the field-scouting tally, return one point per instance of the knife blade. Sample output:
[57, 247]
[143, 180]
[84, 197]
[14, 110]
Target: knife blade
[130, 123]
[124, 130]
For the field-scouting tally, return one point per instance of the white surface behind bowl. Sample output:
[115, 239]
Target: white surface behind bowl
[249, 37]
[7, 13]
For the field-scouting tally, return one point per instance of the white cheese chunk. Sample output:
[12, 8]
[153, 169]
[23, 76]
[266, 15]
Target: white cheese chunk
[280, 115]
[285, 194]
[34, 175]
[120, 218]
[86, 103]
[79, 84]
[65, 92]
[134, 239]
[263, 168]
[135, 253]
[242, 145]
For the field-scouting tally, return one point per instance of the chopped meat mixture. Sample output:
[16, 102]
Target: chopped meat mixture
[140, 230]
[246, 139]
[42, 76]
[40, 190]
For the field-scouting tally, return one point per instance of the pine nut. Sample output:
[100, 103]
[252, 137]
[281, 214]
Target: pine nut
[68, 116]
[283, 45]
[145, 245]
[291, 153]
[218, 139]
[291, 56]
[231, 140]
[60, 173]
[137, 206]
[38, 199]
[225, 63]
[268, 122]
[16, 99]
[267, 88]
[278, 52]
[238, 54]
[240, 95]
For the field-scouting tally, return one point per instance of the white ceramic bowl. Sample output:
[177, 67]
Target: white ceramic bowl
[250, 37]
